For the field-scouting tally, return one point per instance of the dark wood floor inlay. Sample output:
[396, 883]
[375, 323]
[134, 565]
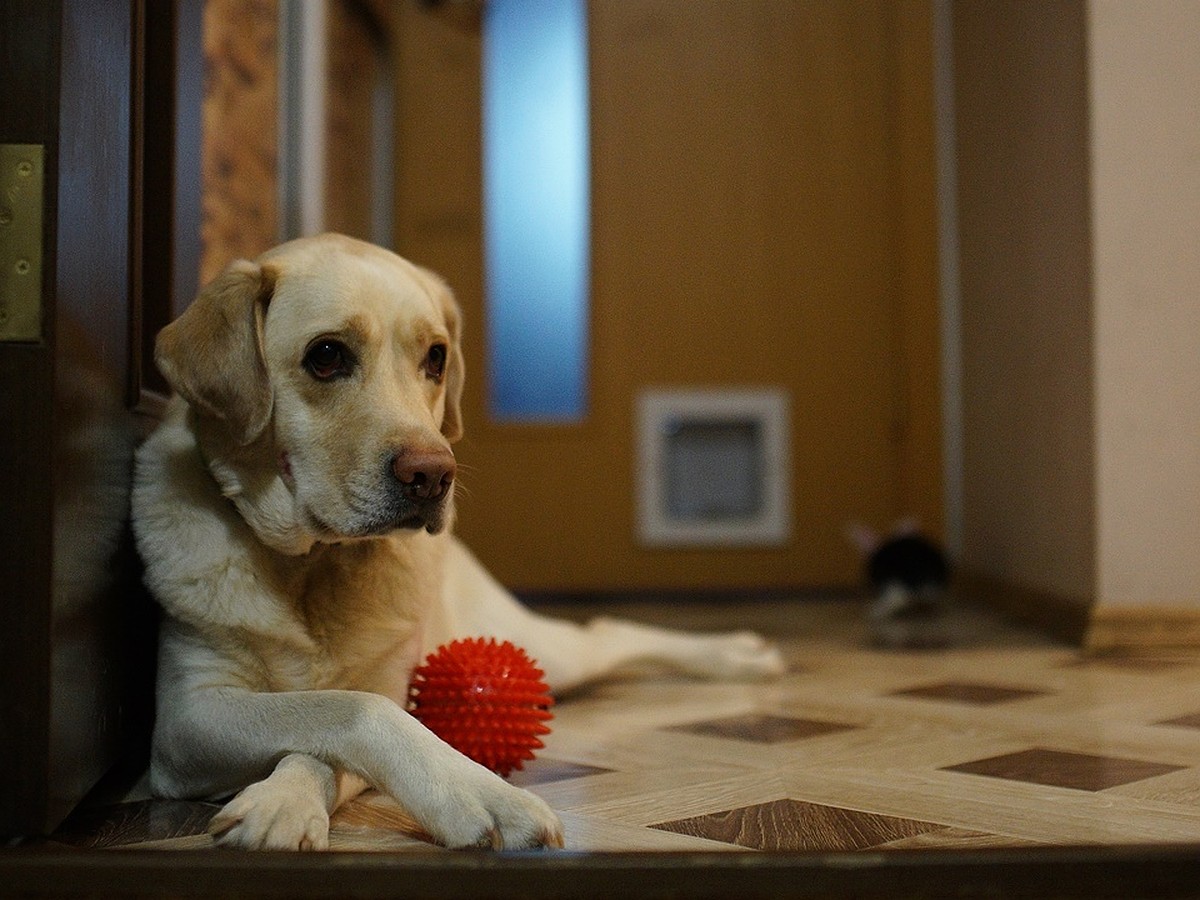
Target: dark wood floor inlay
[1188, 721]
[793, 825]
[763, 729]
[972, 693]
[548, 771]
[1057, 768]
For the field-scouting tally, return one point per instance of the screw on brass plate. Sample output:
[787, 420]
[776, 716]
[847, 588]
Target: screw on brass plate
[22, 167]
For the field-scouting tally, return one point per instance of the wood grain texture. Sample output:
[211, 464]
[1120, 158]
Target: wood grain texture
[797, 826]
[669, 764]
[1081, 771]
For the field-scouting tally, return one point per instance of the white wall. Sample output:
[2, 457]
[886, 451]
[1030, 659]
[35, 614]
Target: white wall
[1144, 85]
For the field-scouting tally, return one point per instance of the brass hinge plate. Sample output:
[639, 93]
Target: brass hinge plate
[22, 176]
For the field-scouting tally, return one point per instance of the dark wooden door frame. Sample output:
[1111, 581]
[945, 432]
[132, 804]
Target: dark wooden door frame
[29, 61]
[168, 85]
[102, 86]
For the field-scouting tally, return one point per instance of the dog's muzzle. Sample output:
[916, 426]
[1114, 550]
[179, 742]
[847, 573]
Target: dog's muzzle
[424, 480]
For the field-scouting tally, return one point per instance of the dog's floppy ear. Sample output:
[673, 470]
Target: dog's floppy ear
[452, 423]
[212, 355]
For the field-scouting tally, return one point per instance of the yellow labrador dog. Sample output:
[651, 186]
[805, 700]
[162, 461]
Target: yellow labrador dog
[293, 512]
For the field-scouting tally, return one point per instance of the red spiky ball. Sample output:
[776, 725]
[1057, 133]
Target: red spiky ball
[485, 699]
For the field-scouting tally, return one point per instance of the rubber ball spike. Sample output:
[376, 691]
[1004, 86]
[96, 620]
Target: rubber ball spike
[488, 700]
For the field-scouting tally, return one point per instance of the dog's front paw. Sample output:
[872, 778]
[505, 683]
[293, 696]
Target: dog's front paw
[263, 817]
[485, 811]
[740, 655]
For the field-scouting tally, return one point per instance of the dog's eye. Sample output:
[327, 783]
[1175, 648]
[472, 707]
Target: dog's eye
[328, 359]
[435, 362]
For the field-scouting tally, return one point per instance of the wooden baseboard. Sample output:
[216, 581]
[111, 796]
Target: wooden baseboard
[1140, 628]
[1060, 615]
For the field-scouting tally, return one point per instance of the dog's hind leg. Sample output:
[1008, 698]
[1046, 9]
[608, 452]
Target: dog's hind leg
[476, 605]
[573, 655]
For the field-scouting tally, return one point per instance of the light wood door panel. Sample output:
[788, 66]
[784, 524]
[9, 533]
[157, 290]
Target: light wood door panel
[761, 201]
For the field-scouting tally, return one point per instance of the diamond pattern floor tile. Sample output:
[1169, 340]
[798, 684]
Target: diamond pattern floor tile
[1188, 721]
[547, 771]
[969, 692]
[796, 825]
[1056, 768]
[763, 729]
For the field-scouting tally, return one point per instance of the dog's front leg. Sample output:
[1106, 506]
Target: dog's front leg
[287, 810]
[307, 736]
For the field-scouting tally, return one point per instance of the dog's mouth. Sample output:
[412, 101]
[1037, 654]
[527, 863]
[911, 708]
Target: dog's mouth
[369, 509]
[405, 514]
[432, 523]
[385, 520]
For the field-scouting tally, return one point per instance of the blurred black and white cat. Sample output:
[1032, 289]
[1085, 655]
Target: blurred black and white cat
[908, 576]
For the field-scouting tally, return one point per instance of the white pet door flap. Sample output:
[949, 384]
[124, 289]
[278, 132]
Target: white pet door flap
[712, 467]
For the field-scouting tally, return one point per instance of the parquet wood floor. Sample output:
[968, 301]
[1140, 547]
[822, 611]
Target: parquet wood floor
[1002, 739]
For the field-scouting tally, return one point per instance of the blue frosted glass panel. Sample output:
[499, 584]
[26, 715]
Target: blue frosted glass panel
[536, 215]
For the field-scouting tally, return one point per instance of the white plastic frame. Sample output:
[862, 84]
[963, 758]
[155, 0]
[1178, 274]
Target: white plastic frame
[658, 410]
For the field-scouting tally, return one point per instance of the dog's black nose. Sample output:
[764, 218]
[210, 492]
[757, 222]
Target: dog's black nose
[424, 475]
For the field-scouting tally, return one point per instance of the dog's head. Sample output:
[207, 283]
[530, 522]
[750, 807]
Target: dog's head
[335, 367]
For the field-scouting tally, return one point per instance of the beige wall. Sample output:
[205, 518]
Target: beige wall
[1144, 59]
[1028, 485]
[1079, 210]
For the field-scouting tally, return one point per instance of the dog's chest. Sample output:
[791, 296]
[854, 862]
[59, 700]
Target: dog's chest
[363, 608]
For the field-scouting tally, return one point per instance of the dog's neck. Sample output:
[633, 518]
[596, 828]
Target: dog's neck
[248, 477]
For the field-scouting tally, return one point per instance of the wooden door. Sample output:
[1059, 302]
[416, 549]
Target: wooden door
[762, 214]
[90, 91]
